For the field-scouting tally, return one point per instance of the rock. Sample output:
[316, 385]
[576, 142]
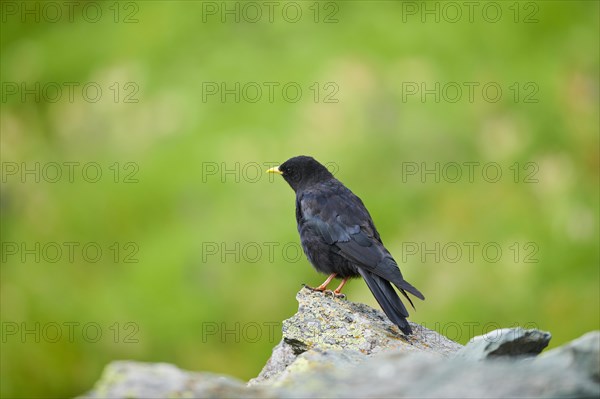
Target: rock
[582, 354]
[324, 322]
[124, 379]
[314, 363]
[283, 355]
[339, 349]
[506, 342]
[425, 375]
[422, 375]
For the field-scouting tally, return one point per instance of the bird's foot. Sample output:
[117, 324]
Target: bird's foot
[325, 291]
[339, 295]
[315, 289]
[323, 286]
[338, 291]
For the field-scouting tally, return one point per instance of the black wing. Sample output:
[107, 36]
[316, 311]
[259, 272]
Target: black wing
[343, 221]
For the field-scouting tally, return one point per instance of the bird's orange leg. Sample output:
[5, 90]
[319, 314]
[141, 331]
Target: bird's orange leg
[338, 290]
[323, 286]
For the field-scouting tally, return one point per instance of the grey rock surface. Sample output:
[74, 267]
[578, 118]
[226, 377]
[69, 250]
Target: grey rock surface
[582, 354]
[424, 375]
[125, 379]
[339, 349]
[506, 342]
[327, 323]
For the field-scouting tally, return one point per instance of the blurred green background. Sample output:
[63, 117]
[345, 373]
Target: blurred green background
[189, 189]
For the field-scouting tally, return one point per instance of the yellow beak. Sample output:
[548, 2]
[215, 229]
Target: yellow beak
[275, 170]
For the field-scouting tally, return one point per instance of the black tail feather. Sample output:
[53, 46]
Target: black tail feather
[389, 270]
[407, 297]
[388, 299]
[405, 286]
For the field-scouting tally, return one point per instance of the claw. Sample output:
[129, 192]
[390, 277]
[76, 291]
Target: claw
[316, 289]
[323, 286]
[337, 293]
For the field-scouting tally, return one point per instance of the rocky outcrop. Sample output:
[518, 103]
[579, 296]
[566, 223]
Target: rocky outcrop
[336, 348]
[347, 331]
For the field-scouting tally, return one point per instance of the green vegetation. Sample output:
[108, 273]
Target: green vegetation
[195, 299]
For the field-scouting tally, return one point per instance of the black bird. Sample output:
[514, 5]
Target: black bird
[339, 238]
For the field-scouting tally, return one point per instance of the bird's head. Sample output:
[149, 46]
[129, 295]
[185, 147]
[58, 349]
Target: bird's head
[301, 172]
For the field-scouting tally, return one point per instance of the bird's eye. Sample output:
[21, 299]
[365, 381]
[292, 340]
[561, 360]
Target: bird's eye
[293, 175]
